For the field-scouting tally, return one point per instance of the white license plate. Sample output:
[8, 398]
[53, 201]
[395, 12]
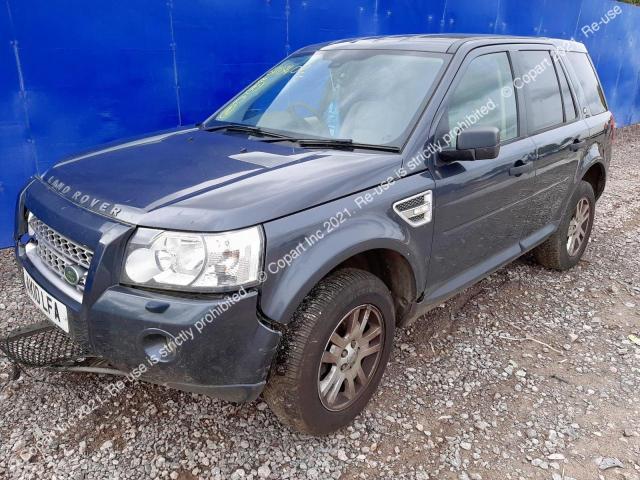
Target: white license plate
[52, 308]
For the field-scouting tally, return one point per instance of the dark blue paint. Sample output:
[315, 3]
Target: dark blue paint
[217, 187]
[368, 226]
[94, 72]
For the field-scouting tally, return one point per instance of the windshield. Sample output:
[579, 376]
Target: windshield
[367, 96]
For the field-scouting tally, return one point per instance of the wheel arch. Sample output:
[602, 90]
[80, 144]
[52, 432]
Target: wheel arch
[596, 176]
[393, 269]
[388, 259]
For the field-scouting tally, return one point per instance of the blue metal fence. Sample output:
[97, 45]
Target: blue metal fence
[78, 73]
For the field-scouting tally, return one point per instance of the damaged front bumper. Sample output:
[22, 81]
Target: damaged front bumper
[218, 347]
[212, 344]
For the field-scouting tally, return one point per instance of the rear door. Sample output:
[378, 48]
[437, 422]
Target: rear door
[479, 205]
[555, 126]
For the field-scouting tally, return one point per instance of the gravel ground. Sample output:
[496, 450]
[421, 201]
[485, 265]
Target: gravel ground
[529, 374]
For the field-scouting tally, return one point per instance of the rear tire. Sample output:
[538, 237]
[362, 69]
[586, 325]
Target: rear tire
[334, 354]
[564, 248]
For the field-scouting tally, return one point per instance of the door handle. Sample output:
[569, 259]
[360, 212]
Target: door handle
[520, 167]
[577, 145]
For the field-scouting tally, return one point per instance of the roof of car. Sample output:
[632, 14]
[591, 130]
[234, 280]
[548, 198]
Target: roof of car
[441, 43]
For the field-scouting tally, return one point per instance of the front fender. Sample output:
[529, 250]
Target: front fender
[305, 247]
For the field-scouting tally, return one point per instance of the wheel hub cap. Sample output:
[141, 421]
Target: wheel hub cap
[350, 357]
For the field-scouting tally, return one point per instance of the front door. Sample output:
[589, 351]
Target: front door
[480, 205]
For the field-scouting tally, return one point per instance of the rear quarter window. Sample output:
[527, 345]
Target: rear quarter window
[586, 76]
[569, 107]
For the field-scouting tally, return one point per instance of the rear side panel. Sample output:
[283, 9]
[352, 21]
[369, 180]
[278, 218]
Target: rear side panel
[594, 110]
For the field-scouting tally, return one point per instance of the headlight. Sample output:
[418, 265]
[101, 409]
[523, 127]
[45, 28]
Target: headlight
[193, 261]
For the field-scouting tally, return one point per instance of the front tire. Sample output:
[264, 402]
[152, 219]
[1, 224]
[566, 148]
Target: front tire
[564, 248]
[334, 354]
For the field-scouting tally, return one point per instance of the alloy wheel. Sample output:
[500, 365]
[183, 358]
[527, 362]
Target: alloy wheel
[578, 226]
[351, 357]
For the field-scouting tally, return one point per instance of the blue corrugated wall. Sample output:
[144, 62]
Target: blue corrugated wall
[76, 73]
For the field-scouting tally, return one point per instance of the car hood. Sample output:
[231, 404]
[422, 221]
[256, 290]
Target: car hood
[190, 179]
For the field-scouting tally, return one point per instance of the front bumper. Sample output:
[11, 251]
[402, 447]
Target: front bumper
[216, 345]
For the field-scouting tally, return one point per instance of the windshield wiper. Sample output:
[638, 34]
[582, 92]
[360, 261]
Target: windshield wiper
[237, 127]
[345, 143]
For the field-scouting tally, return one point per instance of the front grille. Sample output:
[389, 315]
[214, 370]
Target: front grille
[76, 253]
[56, 262]
[58, 252]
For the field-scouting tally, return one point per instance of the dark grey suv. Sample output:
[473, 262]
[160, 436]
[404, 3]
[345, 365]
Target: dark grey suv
[275, 247]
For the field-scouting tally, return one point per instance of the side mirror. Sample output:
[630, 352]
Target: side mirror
[475, 143]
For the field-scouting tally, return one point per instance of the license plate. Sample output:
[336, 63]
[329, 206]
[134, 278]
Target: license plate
[52, 308]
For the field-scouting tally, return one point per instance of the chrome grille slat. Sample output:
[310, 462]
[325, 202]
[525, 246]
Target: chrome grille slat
[73, 251]
[55, 261]
[57, 251]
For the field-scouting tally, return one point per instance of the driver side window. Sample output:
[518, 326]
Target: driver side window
[484, 97]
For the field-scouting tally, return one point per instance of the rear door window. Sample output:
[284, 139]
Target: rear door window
[586, 76]
[541, 89]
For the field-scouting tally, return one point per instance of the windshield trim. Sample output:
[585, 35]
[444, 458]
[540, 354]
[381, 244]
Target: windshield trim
[403, 140]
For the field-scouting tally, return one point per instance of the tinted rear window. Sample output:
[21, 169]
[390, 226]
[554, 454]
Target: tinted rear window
[592, 91]
[542, 92]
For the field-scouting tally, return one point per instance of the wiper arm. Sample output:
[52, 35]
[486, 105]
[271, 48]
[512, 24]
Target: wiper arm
[303, 142]
[343, 143]
[238, 127]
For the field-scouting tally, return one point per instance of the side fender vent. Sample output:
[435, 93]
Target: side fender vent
[416, 210]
